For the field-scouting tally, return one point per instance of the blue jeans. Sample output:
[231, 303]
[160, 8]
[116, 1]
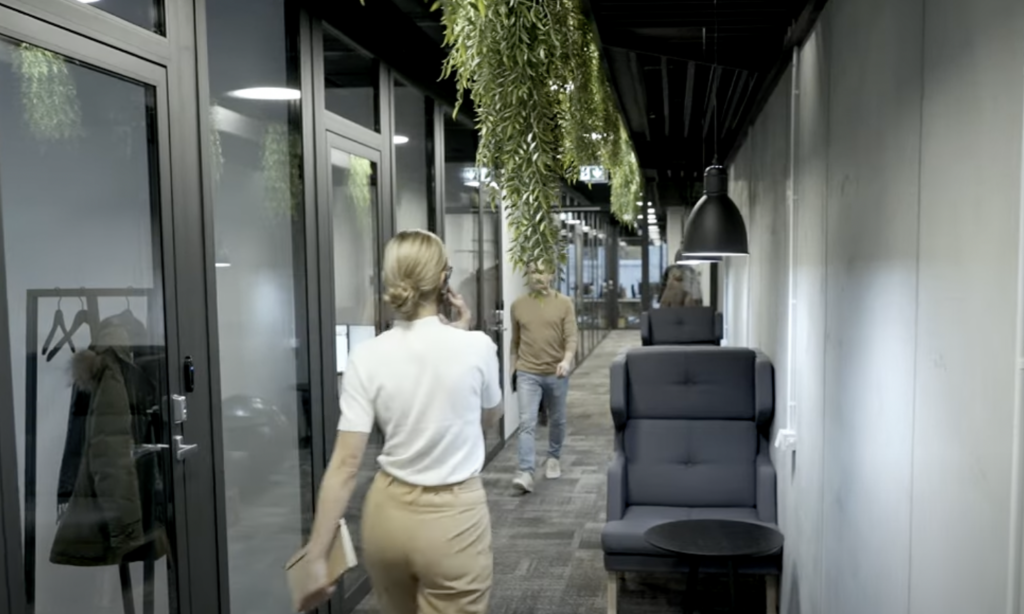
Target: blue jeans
[532, 389]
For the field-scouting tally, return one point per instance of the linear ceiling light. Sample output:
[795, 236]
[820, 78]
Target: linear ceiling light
[267, 93]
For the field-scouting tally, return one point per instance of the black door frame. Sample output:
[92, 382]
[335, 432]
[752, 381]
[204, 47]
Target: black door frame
[168, 64]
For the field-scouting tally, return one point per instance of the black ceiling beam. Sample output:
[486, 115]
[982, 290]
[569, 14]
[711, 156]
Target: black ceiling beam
[740, 85]
[617, 39]
[375, 26]
[712, 100]
[665, 154]
[638, 91]
[798, 34]
[664, 91]
[691, 69]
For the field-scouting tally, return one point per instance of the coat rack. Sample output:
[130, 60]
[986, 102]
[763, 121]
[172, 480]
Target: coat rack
[91, 298]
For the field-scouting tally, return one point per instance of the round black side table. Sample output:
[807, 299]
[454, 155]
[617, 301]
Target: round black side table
[728, 540]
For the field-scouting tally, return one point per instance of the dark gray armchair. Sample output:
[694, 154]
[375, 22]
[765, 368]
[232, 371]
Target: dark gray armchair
[681, 326]
[692, 427]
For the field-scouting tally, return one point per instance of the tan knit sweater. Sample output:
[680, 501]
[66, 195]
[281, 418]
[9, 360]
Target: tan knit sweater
[543, 332]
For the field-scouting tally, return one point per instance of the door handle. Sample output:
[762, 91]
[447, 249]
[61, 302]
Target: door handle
[184, 450]
[181, 449]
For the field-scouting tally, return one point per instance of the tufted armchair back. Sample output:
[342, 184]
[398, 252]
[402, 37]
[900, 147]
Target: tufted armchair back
[692, 422]
[681, 326]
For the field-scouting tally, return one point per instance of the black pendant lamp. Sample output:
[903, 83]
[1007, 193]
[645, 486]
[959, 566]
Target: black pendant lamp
[682, 258]
[715, 226]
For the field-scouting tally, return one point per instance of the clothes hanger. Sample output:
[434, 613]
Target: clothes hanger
[58, 323]
[81, 318]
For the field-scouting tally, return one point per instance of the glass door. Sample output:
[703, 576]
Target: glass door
[491, 307]
[353, 199]
[91, 366]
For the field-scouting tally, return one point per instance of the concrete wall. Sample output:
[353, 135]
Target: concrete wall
[907, 184]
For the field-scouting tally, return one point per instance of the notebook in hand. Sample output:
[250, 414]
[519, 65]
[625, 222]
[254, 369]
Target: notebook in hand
[340, 558]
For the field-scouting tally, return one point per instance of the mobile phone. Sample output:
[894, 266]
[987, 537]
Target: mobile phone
[447, 281]
[446, 304]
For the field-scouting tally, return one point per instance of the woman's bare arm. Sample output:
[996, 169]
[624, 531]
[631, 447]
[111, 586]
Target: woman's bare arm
[336, 490]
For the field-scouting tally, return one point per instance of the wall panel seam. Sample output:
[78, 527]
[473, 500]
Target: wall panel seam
[917, 307]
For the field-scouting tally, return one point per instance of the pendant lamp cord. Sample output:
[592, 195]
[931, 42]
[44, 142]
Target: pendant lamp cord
[719, 77]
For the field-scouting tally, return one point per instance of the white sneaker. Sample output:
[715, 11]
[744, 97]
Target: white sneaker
[553, 469]
[523, 482]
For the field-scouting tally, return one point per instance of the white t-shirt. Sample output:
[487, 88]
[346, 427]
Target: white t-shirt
[425, 385]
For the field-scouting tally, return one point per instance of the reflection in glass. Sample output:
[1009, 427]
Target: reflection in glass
[147, 14]
[354, 199]
[255, 167]
[351, 82]
[81, 228]
[461, 211]
[413, 159]
[354, 222]
[490, 294]
[472, 236]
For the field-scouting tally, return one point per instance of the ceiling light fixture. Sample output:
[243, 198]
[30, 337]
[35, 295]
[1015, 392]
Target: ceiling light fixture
[267, 93]
[682, 258]
[715, 226]
[88, 1]
[398, 139]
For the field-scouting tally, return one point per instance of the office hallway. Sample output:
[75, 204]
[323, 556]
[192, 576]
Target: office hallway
[547, 545]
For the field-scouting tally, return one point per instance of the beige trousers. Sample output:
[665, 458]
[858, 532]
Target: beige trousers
[428, 549]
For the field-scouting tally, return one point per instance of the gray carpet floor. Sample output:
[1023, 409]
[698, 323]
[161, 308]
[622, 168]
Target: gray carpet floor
[547, 545]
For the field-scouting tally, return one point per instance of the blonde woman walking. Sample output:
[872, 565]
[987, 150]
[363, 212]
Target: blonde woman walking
[430, 386]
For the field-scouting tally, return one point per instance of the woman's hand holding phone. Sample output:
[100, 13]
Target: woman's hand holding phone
[460, 311]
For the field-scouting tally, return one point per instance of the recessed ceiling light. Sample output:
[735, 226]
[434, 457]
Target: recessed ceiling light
[267, 93]
[400, 140]
[650, 210]
[88, 1]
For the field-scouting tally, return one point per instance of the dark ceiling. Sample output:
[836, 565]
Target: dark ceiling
[690, 75]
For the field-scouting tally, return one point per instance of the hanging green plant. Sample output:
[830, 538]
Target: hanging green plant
[543, 109]
[48, 94]
[282, 169]
[360, 188]
[216, 150]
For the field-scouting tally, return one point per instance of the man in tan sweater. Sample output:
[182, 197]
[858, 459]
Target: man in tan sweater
[543, 345]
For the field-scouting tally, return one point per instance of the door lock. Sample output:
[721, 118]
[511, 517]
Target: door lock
[179, 407]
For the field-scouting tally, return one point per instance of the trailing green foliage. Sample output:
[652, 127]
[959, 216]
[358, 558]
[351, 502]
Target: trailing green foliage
[282, 169]
[543, 107]
[48, 94]
[360, 186]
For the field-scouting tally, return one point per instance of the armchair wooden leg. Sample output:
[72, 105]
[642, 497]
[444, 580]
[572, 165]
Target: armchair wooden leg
[771, 594]
[613, 592]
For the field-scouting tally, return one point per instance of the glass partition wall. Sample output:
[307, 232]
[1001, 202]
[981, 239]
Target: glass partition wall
[583, 276]
[472, 233]
[239, 261]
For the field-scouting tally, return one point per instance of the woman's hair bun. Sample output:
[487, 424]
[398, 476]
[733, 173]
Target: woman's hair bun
[414, 265]
[401, 296]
